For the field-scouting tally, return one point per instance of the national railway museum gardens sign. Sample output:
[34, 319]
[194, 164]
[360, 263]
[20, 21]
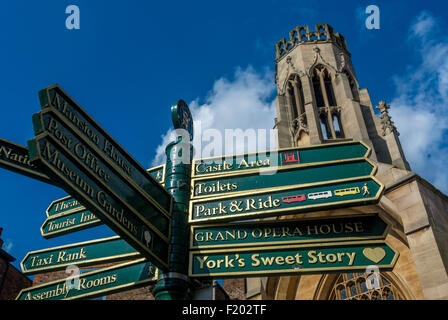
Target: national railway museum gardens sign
[192, 218]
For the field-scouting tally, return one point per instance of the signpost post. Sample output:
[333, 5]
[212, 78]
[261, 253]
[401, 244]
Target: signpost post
[175, 284]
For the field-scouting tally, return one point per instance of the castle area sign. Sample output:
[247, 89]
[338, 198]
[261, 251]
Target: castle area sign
[249, 162]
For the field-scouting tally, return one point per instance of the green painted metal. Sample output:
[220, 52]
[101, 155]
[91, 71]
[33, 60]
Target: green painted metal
[287, 200]
[256, 233]
[292, 259]
[177, 182]
[58, 102]
[80, 254]
[283, 157]
[86, 186]
[15, 158]
[63, 206]
[288, 176]
[92, 161]
[97, 283]
[67, 223]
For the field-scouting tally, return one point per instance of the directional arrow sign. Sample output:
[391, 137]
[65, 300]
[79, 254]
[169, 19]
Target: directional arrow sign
[14, 157]
[68, 223]
[291, 259]
[136, 227]
[287, 200]
[80, 254]
[61, 105]
[264, 233]
[67, 215]
[236, 183]
[97, 283]
[64, 206]
[248, 162]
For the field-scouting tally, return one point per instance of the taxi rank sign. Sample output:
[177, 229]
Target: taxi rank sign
[92, 167]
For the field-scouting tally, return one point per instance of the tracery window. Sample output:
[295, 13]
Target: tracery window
[329, 112]
[352, 286]
[295, 96]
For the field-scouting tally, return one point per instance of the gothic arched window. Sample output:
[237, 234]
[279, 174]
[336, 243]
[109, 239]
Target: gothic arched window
[352, 286]
[295, 96]
[353, 86]
[329, 117]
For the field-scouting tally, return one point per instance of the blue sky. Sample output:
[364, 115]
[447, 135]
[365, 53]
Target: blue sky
[131, 59]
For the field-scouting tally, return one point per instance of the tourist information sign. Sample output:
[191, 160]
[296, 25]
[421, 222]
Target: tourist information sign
[15, 157]
[248, 162]
[283, 232]
[239, 182]
[80, 254]
[67, 223]
[126, 276]
[84, 172]
[277, 260]
[286, 200]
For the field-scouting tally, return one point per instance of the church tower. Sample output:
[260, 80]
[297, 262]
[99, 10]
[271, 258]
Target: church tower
[319, 101]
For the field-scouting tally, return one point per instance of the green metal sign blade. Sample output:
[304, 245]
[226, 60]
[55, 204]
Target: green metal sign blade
[288, 176]
[15, 158]
[80, 254]
[292, 259]
[91, 161]
[287, 200]
[67, 223]
[93, 284]
[283, 157]
[61, 165]
[55, 100]
[64, 205]
[256, 233]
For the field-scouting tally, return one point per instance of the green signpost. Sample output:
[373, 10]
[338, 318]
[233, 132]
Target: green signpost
[265, 233]
[253, 162]
[288, 259]
[121, 277]
[80, 254]
[150, 210]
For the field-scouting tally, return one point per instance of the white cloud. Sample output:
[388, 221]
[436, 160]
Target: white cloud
[419, 108]
[244, 102]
